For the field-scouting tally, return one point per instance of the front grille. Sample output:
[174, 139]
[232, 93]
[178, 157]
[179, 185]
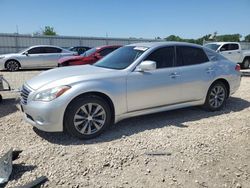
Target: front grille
[24, 94]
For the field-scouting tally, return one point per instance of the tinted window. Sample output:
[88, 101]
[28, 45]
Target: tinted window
[228, 47]
[106, 51]
[36, 50]
[234, 47]
[164, 57]
[187, 55]
[52, 50]
[225, 47]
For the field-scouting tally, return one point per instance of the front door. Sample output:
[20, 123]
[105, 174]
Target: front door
[155, 88]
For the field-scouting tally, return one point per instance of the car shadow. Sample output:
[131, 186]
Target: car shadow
[135, 125]
[8, 106]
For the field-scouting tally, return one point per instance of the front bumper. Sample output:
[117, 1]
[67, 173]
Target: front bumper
[47, 117]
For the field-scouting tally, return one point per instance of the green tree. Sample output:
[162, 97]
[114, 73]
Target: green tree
[49, 31]
[228, 38]
[247, 38]
[173, 38]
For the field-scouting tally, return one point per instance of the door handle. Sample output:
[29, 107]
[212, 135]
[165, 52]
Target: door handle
[229, 52]
[174, 75]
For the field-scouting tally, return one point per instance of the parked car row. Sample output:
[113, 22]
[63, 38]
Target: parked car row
[134, 80]
[46, 56]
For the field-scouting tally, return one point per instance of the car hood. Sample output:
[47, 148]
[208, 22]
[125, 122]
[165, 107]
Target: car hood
[9, 55]
[68, 58]
[67, 75]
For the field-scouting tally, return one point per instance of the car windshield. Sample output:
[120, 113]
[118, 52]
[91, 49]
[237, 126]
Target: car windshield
[89, 52]
[121, 58]
[212, 46]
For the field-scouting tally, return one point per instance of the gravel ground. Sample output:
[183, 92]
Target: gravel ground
[195, 148]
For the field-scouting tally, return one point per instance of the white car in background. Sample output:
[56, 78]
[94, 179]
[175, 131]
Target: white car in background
[41, 56]
[232, 51]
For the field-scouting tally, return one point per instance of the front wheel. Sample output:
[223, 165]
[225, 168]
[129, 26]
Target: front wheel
[216, 97]
[12, 65]
[87, 117]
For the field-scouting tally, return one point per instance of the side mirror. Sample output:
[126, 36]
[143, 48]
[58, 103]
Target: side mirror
[25, 53]
[146, 66]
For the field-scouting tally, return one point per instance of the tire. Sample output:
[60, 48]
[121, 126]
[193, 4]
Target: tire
[216, 96]
[1, 98]
[87, 117]
[245, 64]
[12, 65]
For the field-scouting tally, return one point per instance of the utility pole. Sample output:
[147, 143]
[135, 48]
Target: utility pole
[106, 38]
[17, 31]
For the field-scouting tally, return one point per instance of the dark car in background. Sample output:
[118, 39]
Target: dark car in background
[89, 57]
[79, 49]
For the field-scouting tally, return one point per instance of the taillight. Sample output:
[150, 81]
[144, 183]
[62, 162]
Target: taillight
[237, 67]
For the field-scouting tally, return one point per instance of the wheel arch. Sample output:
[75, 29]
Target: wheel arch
[225, 82]
[98, 94]
[246, 57]
[11, 60]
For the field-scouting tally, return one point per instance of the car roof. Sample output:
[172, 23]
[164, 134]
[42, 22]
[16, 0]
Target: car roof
[221, 43]
[45, 46]
[108, 46]
[159, 44]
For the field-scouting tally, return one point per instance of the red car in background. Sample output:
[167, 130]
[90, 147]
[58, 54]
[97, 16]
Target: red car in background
[89, 57]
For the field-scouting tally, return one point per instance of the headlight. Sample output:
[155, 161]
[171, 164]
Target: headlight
[1, 57]
[51, 94]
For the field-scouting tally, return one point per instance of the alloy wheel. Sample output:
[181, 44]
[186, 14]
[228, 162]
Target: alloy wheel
[89, 118]
[12, 66]
[217, 96]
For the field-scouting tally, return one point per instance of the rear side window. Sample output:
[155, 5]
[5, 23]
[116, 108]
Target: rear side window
[164, 57]
[234, 47]
[187, 55]
[52, 50]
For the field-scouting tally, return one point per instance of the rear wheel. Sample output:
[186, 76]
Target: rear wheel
[87, 117]
[245, 64]
[12, 65]
[216, 96]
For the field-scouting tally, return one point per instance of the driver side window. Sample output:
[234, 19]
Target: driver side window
[164, 57]
[37, 50]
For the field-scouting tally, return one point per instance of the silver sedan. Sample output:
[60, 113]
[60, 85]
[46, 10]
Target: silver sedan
[134, 80]
[42, 56]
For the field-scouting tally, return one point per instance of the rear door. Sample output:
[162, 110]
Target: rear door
[231, 51]
[196, 72]
[51, 56]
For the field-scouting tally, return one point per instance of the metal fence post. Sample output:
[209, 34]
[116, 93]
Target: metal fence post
[16, 43]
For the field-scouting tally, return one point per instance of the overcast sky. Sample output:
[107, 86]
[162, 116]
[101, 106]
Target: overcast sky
[127, 18]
